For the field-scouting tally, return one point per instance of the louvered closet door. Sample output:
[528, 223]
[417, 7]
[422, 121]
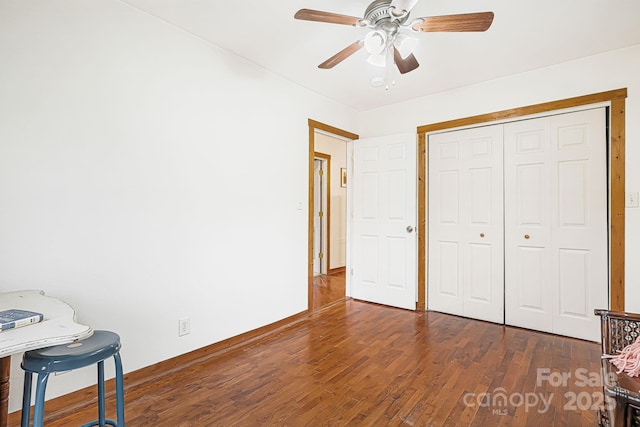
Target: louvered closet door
[556, 223]
[465, 254]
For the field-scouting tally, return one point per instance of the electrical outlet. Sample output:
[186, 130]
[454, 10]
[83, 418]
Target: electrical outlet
[632, 200]
[184, 326]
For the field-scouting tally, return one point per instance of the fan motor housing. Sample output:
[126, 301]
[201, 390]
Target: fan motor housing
[378, 11]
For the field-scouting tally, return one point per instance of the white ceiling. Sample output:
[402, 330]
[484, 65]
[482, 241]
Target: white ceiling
[525, 35]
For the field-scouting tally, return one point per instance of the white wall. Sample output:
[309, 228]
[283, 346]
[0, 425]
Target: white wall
[604, 72]
[337, 149]
[145, 176]
[142, 171]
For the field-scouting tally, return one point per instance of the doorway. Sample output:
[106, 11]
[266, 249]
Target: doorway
[329, 286]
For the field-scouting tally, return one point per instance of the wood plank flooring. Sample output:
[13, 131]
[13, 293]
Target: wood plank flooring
[357, 363]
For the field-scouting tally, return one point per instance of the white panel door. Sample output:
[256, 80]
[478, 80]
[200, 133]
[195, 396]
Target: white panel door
[527, 178]
[579, 222]
[556, 223]
[465, 255]
[384, 243]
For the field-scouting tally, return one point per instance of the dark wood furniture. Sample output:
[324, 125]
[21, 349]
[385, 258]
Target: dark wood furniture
[622, 393]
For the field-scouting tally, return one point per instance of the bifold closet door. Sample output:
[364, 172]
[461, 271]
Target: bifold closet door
[556, 223]
[465, 220]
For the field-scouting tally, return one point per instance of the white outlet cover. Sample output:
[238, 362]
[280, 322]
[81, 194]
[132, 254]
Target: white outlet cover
[184, 326]
[632, 200]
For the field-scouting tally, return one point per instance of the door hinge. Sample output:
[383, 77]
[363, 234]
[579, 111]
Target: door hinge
[320, 214]
[320, 172]
[351, 272]
[320, 255]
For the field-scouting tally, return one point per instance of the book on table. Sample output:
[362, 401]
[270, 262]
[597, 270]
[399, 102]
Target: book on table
[16, 318]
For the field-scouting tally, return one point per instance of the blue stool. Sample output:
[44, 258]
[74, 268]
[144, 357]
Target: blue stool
[95, 349]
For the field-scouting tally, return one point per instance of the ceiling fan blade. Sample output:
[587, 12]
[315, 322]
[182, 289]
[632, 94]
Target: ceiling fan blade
[480, 21]
[405, 65]
[342, 55]
[320, 16]
[402, 6]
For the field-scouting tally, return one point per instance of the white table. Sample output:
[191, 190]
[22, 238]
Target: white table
[58, 327]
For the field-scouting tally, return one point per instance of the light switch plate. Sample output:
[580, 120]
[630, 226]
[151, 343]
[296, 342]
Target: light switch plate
[632, 200]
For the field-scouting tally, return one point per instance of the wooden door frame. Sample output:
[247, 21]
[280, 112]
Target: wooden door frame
[616, 168]
[313, 127]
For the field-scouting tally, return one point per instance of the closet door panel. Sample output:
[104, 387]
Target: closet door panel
[445, 234]
[556, 208]
[579, 221]
[528, 281]
[465, 255]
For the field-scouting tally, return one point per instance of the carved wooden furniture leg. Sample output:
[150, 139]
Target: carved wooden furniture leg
[619, 329]
[5, 367]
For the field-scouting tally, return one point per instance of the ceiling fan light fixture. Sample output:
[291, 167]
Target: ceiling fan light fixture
[405, 44]
[386, 44]
[375, 42]
[379, 60]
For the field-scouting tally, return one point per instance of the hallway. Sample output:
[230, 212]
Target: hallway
[328, 289]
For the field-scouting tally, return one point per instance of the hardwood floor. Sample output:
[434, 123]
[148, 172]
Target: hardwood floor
[328, 289]
[357, 363]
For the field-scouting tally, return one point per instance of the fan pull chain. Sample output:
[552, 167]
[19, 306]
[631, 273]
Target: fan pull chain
[388, 68]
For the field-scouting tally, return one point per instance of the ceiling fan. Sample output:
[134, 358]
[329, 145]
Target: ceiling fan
[389, 40]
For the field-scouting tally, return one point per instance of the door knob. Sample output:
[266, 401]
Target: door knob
[526, 236]
[481, 234]
[409, 229]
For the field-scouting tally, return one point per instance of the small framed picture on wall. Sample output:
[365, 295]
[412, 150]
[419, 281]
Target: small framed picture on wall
[343, 177]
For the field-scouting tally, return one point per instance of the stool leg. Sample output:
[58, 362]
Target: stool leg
[38, 410]
[101, 416]
[119, 390]
[26, 400]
